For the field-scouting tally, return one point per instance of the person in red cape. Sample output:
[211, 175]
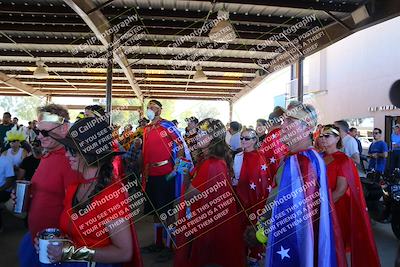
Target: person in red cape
[97, 219]
[208, 230]
[252, 186]
[272, 148]
[347, 194]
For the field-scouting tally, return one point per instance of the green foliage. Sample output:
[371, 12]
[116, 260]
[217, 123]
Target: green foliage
[23, 107]
[123, 118]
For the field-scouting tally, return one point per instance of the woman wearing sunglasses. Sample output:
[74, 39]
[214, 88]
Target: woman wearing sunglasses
[97, 217]
[346, 191]
[208, 229]
[252, 185]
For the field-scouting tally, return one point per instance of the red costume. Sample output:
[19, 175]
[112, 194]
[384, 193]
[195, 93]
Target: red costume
[157, 147]
[85, 225]
[352, 212]
[212, 234]
[273, 151]
[49, 183]
[117, 164]
[252, 189]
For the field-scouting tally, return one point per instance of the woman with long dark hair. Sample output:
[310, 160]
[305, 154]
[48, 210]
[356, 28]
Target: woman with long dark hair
[208, 229]
[97, 217]
[347, 195]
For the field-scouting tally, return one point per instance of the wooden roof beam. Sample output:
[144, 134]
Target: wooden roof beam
[14, 83]
[99, 25]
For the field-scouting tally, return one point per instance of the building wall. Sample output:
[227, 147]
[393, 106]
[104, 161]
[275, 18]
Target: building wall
[259, 103]
[357, 73]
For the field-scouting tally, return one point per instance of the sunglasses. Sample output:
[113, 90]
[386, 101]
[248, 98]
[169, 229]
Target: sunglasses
[246, 138]
[71, 151]
[45, 133]
[325, 135]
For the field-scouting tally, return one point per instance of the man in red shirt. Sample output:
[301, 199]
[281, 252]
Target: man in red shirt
[50, 180]
[163, 149]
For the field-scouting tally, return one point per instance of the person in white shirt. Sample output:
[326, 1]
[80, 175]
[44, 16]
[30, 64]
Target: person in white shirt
[234, 142]
[228, 134]
[350, 146]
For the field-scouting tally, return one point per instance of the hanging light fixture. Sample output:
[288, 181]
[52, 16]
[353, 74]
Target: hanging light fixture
[223, 31]
[40, 71]
[199, 75]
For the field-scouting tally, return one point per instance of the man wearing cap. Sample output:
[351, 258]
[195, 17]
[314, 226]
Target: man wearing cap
[234, 142]
[395, 140]
[163, 151]
[50, 180]
[298, 220]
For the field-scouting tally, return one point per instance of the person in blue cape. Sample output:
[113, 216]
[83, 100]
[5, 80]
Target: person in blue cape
[165, 156]
[298, 223]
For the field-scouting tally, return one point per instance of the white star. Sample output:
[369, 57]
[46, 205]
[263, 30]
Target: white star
[264, 167]
[284, 253]
[273, 136]
[273, 160]
[253, 186]
[259, 180]
[269, 188]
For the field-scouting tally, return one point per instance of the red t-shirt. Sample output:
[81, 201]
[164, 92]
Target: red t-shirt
[157, 147]
[49, 183]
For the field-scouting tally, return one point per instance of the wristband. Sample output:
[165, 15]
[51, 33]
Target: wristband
[71, 253]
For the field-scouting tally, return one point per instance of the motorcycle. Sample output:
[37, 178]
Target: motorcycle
[382, 196]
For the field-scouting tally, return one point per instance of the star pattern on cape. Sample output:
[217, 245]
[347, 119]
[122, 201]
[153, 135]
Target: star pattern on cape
[284, 253]
[253, 186]
[264, 167]
[272, 160]
[269, 188]
[273, 136]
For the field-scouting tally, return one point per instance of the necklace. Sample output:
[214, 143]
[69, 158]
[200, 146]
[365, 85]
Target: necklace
[82, 198]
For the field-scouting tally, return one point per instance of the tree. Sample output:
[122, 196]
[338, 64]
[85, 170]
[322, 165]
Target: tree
[208, 111]
[23, 107]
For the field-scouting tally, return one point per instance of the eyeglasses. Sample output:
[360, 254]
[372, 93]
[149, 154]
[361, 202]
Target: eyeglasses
[246, 138]
[325, 135]
[375, 133]
[71, 151]
[45, 133]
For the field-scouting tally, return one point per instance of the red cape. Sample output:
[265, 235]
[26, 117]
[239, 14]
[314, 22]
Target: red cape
[117, 163]
[352, 213]
[273, 151]
[253, 186]
[220, 241]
